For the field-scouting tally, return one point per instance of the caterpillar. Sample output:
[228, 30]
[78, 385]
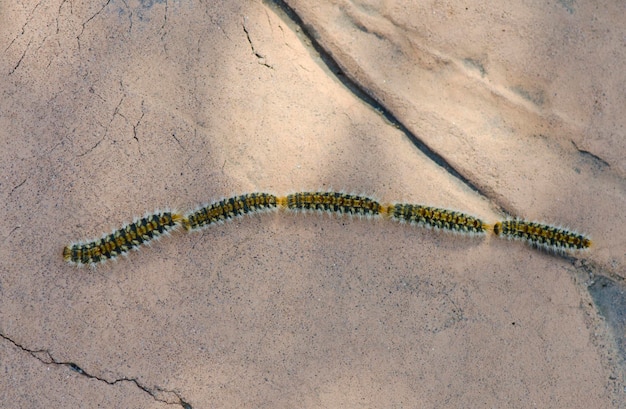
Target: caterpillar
[228, 208]
[149, 227]
[119, 242]
[436, 218]
[333, 202]
[541, 235]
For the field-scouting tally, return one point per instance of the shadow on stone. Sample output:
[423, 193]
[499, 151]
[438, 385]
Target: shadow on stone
[610, 298]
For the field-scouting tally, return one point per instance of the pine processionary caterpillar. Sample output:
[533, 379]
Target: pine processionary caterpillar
[229, 208]
[436, 218]
[131, 236]
[147, 228]
[333, 202]
[542, 235]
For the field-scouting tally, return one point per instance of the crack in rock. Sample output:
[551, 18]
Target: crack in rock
[597, 159]
[89, 20]
[17, 65]
[256, 53]
[44, 356]
[365, 95]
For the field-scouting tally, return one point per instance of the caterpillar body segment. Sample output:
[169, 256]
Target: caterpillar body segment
[121, 241]
[437, 218]
[228, 209]
[542, 235]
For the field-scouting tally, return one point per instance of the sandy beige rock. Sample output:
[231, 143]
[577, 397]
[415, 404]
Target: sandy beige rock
[112, 110]
[520, 99]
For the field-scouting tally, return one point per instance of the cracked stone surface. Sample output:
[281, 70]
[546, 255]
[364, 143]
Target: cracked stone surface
[48, 379]
[116, 108]
[527, 110]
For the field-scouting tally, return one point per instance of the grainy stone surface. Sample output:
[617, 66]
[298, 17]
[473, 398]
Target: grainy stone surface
[116, 108]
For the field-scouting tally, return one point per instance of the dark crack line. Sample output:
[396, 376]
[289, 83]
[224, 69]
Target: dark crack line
[8, 236]
[90, 149]
[178, 141]
[89, 19]
[164, 19]
[362, 93]
[18, 186]
[258, 55]
[130, 17]
[44, 356]
[596, 158]
[136, 125]
[59, 12]
[21, 58]
[23, 31]
[93, 16]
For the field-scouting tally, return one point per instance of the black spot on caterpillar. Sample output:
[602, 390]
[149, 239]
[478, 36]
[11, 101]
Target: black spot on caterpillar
[541, 235]
[436, 218]
[333, 202]
[228, 208]
[119, 242]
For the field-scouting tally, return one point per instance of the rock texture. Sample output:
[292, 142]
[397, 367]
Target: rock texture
[116, 108]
